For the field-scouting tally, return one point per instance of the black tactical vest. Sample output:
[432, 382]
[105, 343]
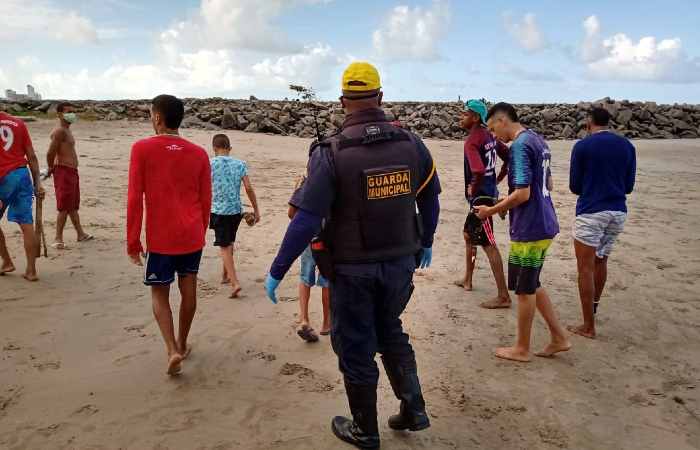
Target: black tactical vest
[378, 173]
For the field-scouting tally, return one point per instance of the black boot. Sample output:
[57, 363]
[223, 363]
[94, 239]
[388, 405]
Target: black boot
[362, 431]
[403, 376]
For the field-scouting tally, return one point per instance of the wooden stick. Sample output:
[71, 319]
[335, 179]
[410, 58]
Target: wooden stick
[39, 229]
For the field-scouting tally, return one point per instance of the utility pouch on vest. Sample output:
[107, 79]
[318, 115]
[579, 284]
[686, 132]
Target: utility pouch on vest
[322, 257]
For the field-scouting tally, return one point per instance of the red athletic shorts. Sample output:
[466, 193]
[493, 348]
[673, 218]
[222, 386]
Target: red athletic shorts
[67, 184]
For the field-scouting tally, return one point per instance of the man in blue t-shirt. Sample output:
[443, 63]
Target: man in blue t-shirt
[481, 152]
[533, 225]
[603, 168]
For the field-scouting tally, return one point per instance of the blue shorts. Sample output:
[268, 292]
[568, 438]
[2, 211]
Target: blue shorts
[308, 270]
[17, 194]
[161, 269]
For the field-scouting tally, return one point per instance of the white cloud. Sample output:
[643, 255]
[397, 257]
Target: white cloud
[29, 61]
[222, 24]
[122, 4]
[74, 29]
[620, 58]
[202, 74]
[591, 48]
[311, 68]
[525, 31]
[411, 34]
[527, 75]
[473, 69]
[219, 50]
[42, 19]
[4, 80]
[419, 78]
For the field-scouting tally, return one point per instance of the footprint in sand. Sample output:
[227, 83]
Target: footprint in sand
[86, 410]
[8, 399]
[255, 354]
[554, 436]
[136, 328]
[43, 367]
[124, 360]
[308, 379]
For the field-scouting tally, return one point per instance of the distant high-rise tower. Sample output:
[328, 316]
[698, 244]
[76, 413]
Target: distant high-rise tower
[9, 93]
[30, 90]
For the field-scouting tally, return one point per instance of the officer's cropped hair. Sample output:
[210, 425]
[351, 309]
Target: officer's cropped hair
[63, 105]
[503, 108]
[221, 141]
[170, 108]
[599, 116]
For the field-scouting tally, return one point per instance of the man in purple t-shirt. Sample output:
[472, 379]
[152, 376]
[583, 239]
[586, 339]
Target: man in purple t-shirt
[533, 225]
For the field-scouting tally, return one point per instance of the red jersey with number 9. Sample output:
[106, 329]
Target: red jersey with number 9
[14, 138]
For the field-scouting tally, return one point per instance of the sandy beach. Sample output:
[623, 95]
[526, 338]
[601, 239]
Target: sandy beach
[82, 363]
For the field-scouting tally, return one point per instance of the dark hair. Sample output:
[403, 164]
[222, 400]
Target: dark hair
[505, 108]
[171, 109]
[221, 141]
[599, 116]
[63, 105]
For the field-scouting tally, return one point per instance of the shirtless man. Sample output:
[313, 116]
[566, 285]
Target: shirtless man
[63, 164]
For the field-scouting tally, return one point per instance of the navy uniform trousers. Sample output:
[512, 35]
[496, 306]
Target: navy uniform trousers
[366, 300]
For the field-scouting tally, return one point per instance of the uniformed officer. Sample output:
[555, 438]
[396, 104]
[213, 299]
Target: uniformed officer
[366, 182]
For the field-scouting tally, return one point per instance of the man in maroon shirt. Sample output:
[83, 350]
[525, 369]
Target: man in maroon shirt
[173, 175]
[481, 152]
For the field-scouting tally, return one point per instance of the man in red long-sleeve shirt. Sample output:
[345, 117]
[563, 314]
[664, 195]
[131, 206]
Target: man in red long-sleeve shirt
[173, 175]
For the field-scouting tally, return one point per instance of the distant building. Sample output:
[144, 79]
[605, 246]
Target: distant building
[30, 95]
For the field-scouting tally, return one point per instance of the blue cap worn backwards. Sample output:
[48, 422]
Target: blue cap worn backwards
[478, 107]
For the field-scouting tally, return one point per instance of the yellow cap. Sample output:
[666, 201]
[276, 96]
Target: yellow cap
[361, 77]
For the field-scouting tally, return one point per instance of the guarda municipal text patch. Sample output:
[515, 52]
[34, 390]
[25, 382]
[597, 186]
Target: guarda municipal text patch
[386, 185]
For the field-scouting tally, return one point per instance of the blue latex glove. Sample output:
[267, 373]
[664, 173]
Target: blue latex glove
[270, 286]
[427, 257]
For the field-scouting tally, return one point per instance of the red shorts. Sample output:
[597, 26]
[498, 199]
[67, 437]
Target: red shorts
[67, 185]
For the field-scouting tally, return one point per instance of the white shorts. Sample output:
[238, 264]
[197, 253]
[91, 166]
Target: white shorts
[599, 230]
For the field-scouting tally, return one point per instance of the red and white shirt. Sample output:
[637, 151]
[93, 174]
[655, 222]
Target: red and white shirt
[14, 139]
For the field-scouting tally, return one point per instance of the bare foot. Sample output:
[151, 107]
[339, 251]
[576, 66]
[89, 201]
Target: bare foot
[554, 347]
[496, 303]
[582, 330]
[7, 269]
[174, 364]
[235, 289]
[512, 353]
[225, 280]
[30, 277]
[185, 351]
[463, 283]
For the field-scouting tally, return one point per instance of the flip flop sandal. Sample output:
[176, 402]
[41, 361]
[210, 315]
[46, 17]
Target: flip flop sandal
[306, 335]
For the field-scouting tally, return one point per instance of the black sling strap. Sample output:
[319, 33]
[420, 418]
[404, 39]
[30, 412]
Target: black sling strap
[369, 139]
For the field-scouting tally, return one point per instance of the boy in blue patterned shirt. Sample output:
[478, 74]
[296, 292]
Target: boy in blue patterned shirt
[227, 173]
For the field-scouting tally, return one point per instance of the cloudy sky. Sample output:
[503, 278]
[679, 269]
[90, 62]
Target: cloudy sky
[538, 51]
